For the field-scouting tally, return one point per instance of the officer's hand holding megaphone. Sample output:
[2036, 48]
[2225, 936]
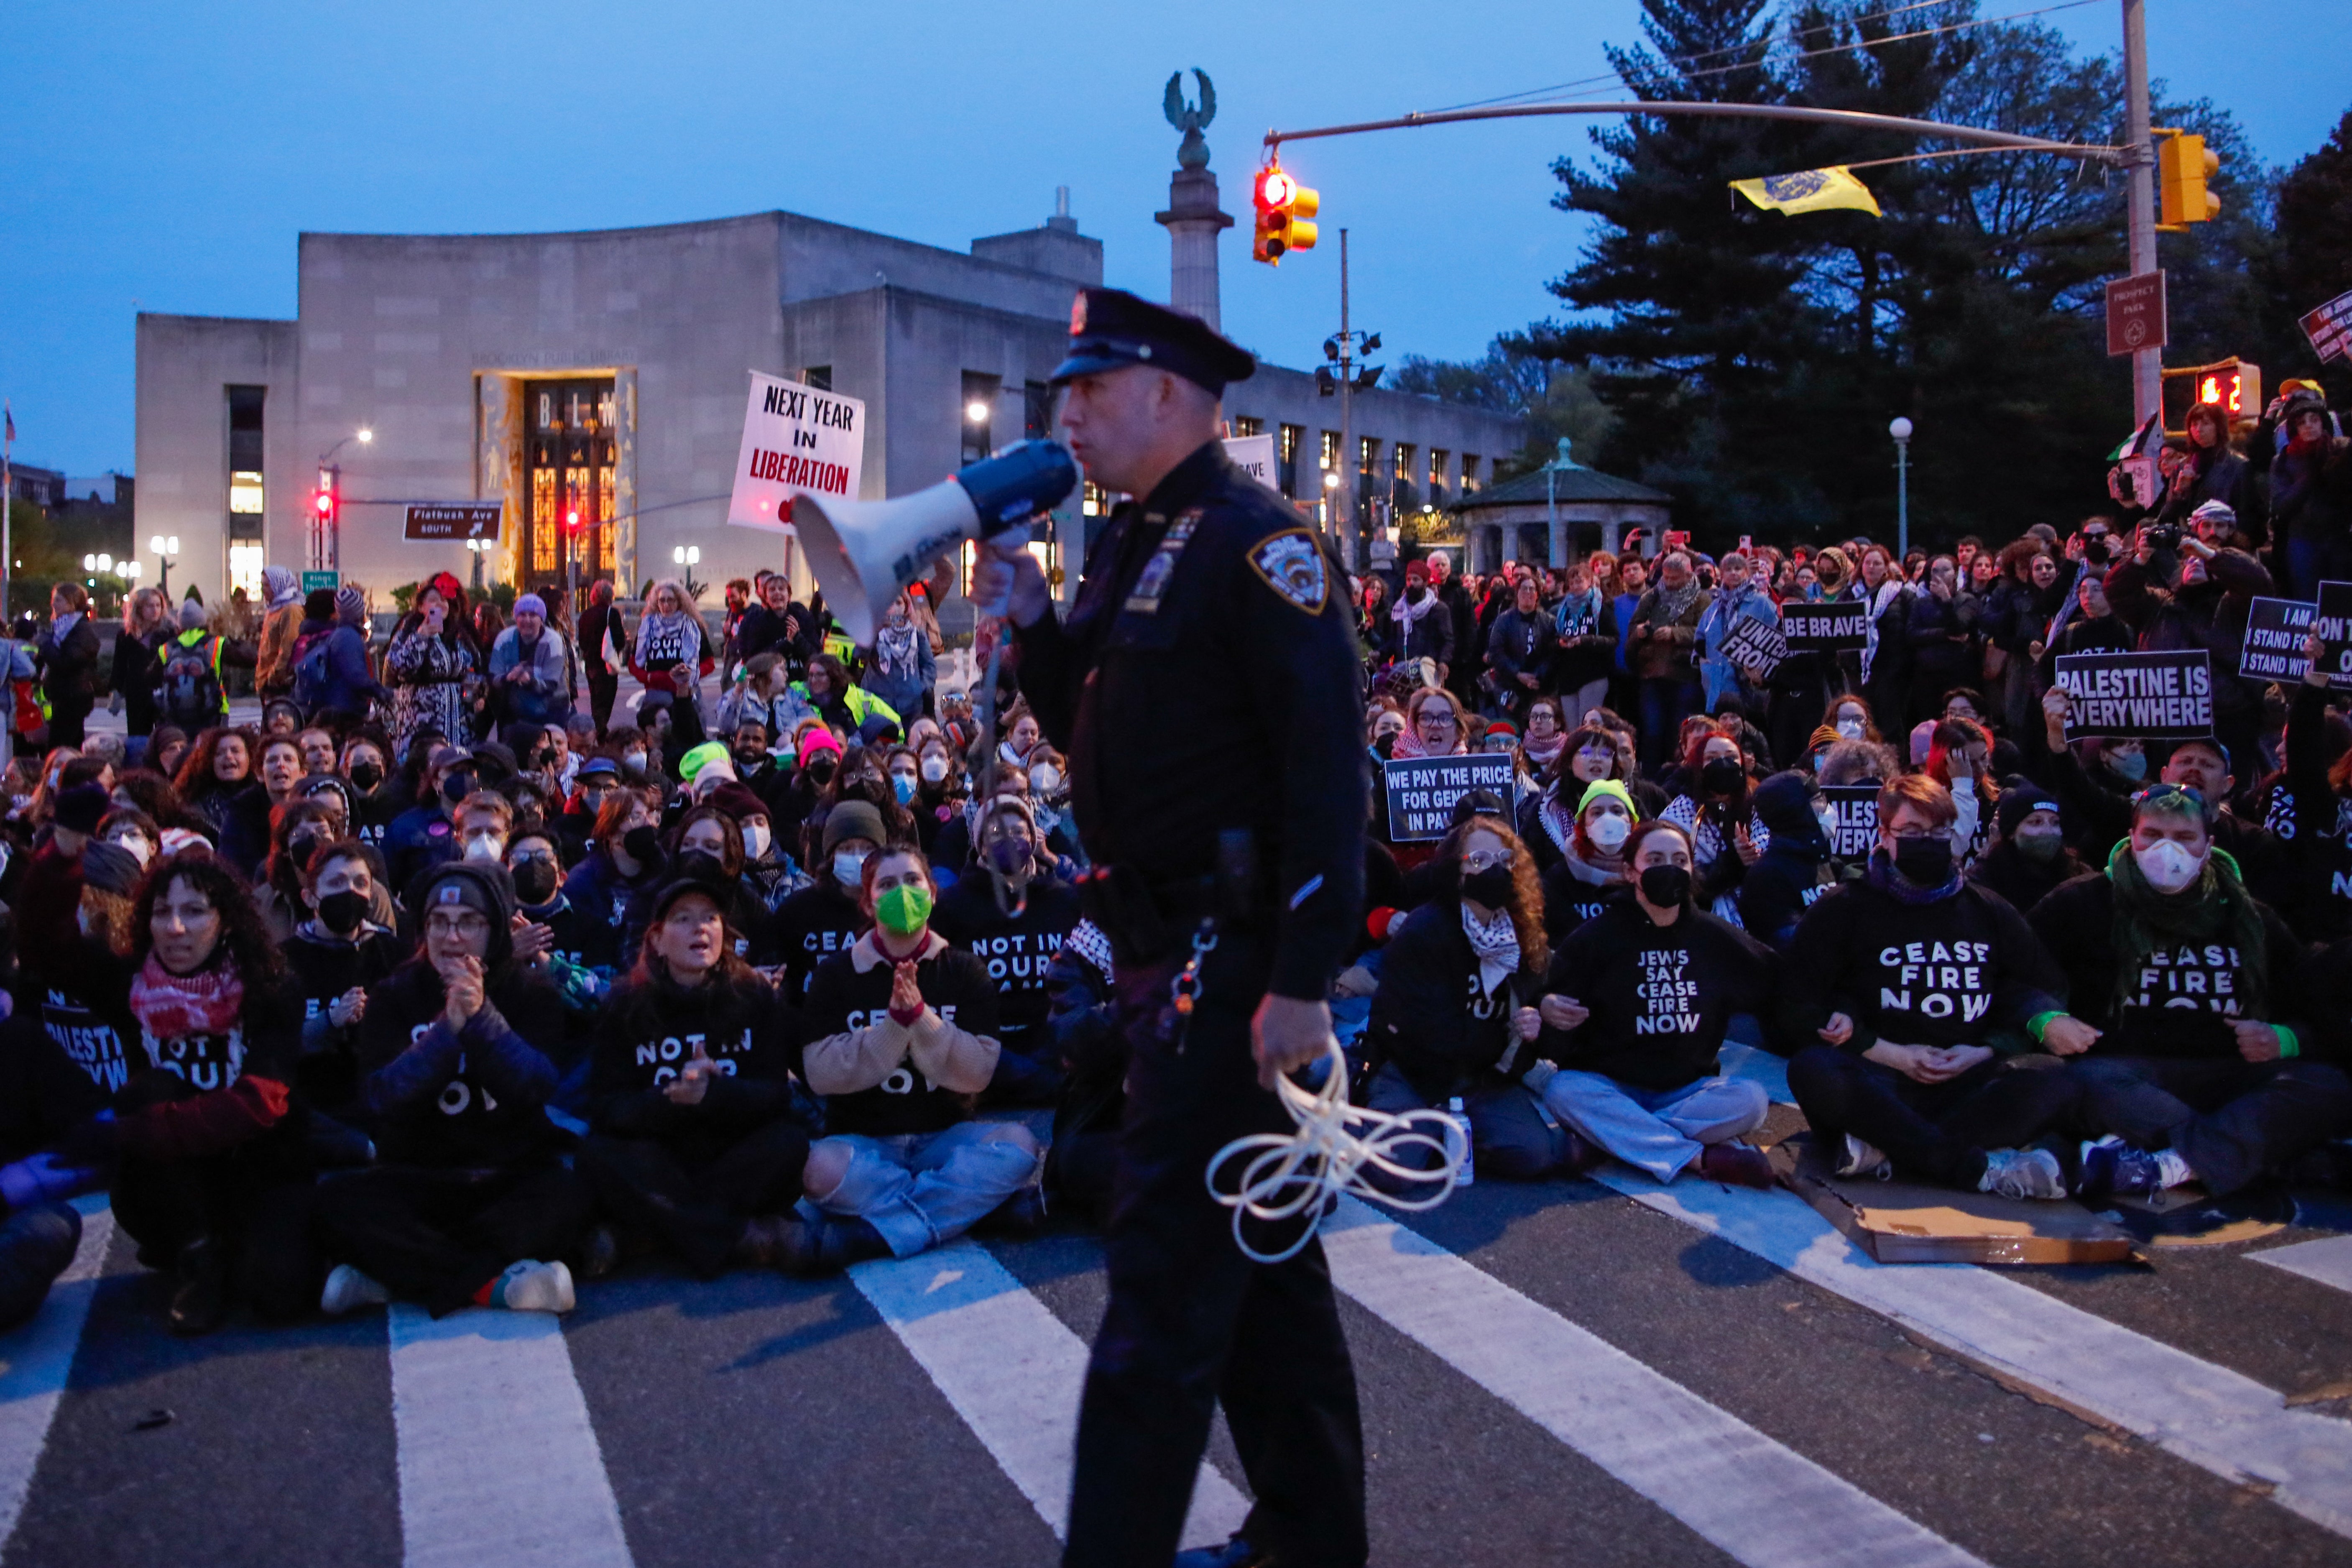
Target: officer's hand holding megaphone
[1006, 580]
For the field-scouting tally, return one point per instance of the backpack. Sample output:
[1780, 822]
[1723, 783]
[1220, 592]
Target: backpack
[313, 672]
[189, 689]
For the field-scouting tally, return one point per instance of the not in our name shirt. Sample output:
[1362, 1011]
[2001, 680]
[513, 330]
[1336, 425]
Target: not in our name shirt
[812, 926]
[1017, 949]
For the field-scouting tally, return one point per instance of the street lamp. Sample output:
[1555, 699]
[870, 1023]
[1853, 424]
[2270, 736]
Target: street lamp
[165, 550]
[1900, 428]
[479, 548]
[327, 523]
[976, 412]
[689, 557]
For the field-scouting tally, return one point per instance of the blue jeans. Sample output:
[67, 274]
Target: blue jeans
[919, 1189]
[1657, 1130]
[1665, 703]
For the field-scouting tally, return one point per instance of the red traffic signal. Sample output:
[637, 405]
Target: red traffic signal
[1283, 205]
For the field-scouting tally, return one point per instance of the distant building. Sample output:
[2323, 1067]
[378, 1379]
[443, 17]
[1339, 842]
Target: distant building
[101, 490]
[42, 487]
[1512, 521]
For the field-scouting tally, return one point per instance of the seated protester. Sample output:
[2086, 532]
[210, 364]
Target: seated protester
[1634, 1014]
[577, 824]
[1454, 1016]
[708, 848]
[425, 835]
[2094, 784]
[1711, 803]
[1082, 1020]
[1959, 756]
[246, 835]
[374, 804]
[747, 749]
[214, 1172]
[1542, 745]
[317, 751]
[941, 790]
[2101, 794]
[1795, 870]
[2310, 819]
[216, 781]
[336, 952]
[471, 1195]
[1591, 860]
[296, 832]
[590, 946]
[768, 874]
[697, 1144]
[792, 802]
[826, 917]
[1912, 950]
[1548, 820]
[2029, 855]
[48, 890]
[625, 861]
[901, 1039]
[2185, 1022]
[83, 1005]
[763, 695]
[1015, 947]
[1049, 804]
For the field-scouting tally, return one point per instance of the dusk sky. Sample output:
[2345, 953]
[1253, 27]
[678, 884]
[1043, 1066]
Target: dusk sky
[165, 157]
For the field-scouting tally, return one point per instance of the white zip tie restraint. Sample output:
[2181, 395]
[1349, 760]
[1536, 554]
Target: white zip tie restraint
[1336, 1148]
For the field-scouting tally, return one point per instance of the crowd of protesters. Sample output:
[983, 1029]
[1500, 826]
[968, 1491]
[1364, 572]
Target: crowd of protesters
[455, 981]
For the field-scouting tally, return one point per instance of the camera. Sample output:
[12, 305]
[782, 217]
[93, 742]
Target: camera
[2162, 536]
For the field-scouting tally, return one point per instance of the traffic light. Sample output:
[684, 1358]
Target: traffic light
[2233, 386]
[2183, 165]
[329, 500]
[1284, 208]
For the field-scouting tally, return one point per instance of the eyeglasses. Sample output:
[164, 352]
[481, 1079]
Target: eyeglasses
[465, 925]
[1485, 862]
[1934, 835]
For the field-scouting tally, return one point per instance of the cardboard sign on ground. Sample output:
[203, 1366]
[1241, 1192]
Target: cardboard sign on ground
[1907, 1222]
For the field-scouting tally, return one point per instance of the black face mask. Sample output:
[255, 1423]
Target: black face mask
[456, 787]
[367, 776]
[641, 844]
[342, 912]
[299, 847]
[1666, 886]
[535, 879]
[820, 769]
[1924, 862]
[1490, 887]
[701, 866]
[1721, 776]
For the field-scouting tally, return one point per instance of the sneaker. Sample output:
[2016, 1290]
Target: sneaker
[348, 1288]
[2024, 1173]
[531, 1285]
[1864, 1162]
[2113, 1169]
[772, 1241]
[1735, 1164]
[1234, 1554]
[836, 1243]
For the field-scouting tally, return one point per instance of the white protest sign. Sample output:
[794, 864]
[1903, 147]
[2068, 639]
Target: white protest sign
[1255, 456]
[796, 440]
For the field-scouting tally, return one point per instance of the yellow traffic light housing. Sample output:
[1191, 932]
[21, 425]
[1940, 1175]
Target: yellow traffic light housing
[1284, 208]
[2183, 165]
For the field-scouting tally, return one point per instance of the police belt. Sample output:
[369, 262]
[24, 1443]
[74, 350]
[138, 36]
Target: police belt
[1148, 919]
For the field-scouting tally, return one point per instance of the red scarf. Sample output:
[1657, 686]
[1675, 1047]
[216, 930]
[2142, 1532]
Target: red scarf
[174, 1006]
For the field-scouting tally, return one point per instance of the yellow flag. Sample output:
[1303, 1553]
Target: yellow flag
[1809, 191]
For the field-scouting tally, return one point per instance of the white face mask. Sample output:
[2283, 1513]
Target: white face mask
[1608, 831]
[1850, 729]
[137, 846]
[934, 768]
[1045, 780]
[1828, 819]
[755, 839]
[848, 867]
[484, 846]
[2168, 867]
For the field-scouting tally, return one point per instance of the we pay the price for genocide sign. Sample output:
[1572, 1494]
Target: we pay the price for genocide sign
[797, 441]
[2151, 696]
[1423, 791]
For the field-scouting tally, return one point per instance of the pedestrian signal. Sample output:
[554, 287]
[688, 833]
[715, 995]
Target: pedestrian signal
[1284, 210]
[2183, 165]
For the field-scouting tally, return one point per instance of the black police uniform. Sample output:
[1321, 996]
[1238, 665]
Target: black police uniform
[1207, 690]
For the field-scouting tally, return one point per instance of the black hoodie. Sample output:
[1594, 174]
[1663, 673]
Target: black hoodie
[1660, 996]
[1786, 878]
[651, 1028]
[1433, 1018]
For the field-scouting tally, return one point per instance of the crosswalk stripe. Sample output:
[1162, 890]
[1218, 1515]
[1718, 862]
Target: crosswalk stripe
[1014, 1372]
[498, 1461]
[1758, 1501]
[2213, 1418]
[36, 1360]
[2329, 1260]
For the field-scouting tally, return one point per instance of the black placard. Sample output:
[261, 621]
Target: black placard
[2275, 632]
[1422, 790]
[1824, 627]
[2146, 696]
[1755, 646]
[1857, 820]
[2334, 625]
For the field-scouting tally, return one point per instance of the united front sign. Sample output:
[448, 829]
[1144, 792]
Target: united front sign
[797, 440]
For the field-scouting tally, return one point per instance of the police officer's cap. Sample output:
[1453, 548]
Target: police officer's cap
[1111, 329]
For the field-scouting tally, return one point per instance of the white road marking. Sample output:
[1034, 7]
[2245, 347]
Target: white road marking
[1014, 1372]
[36, 1360]
[1758, 1501]
[2208, 1415]
[1759, 1068]
[2329, 1260]
[498, 1461]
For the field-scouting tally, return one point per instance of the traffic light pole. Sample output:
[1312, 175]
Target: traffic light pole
[1347, 469]
[2139, 167]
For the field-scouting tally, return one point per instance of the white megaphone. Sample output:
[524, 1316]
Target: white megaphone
[865, 554]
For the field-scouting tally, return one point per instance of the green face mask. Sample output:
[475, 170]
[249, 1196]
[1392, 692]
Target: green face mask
[904, 910]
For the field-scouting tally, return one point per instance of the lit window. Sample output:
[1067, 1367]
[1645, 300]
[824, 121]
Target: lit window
[244, 564]
[1243, 425]
[244, 493]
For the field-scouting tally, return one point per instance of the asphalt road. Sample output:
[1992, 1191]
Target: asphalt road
[1593, 1372]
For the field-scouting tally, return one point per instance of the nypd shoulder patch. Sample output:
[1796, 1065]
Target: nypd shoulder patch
[1291, 562]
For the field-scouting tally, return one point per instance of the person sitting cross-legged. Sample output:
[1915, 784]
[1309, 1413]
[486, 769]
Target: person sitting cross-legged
[900, 1040]
[1634, 1014]
[2181, 989]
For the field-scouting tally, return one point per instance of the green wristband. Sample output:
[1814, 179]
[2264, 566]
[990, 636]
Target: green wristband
[2288, 1044]
[2040, 1021]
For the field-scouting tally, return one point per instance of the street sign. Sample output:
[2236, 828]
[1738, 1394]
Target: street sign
[2135, 317]
[314, 580]
[797, 439]
[2329, 328]
[454, 520]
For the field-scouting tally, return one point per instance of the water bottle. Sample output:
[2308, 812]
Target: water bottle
[1467, 1171]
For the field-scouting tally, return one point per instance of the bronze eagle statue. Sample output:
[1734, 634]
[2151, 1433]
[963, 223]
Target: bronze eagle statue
[1193, 152]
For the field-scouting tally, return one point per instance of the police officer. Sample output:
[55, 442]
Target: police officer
[1206, 690]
